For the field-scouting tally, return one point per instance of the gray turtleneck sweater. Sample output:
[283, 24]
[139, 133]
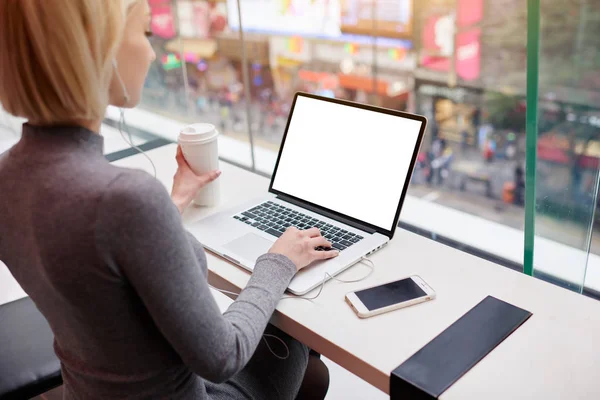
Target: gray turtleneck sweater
[102, 252]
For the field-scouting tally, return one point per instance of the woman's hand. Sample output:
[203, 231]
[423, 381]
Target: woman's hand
[299, 246]
[186, 183]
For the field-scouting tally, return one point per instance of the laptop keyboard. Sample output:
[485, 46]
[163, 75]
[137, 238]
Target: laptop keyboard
[274, 219]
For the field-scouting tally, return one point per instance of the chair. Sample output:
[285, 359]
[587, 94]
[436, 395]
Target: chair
[28, 365]
[316, 379]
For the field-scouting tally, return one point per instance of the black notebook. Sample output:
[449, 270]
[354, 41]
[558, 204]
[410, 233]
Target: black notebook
[434, 368]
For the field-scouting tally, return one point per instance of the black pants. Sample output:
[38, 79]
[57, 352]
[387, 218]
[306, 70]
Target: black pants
[266, 376]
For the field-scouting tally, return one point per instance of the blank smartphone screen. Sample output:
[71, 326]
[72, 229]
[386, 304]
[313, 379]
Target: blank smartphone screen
[390, 293]
[347, 159]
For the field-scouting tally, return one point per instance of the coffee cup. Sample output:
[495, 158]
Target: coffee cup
[200, 148]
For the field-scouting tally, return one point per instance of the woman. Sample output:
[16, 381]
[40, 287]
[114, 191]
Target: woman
[101, 250]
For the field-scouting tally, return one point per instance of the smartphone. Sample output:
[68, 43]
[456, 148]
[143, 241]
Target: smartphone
[390, 296]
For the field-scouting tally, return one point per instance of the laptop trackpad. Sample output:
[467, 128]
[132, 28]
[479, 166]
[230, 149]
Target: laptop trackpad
[249, 246]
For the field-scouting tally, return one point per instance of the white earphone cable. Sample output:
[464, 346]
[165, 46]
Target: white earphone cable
[122, 124]
[371, 270]
[287, 349]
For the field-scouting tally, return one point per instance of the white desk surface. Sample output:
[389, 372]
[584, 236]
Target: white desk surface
[551, 356]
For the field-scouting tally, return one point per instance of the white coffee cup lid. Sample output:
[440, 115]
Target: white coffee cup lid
[197, 132]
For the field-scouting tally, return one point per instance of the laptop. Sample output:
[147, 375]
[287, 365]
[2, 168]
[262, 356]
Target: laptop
[342, 167]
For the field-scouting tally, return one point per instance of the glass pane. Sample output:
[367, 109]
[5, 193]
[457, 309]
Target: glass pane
[470, 83]
[567, 242]
[449, 60]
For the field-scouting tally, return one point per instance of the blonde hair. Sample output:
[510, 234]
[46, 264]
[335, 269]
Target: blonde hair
[56, 57]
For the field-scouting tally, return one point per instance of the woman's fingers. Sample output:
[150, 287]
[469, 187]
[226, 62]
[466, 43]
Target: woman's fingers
[312, 232]
[319, 241]
[207, 178]
[179, 156]
[326, 254]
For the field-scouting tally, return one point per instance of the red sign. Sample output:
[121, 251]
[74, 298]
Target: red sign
[163, 24]
[438, 37]
[468, 54]
[469, 12]
[438, 34]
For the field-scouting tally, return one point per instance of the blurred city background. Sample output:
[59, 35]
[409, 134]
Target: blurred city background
[461, 63]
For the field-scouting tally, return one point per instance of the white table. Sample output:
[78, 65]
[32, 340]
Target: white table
[552, 356]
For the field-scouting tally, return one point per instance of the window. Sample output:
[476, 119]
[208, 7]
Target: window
[461, 63]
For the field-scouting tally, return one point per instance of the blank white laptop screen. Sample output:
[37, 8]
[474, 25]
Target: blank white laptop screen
[347, 159]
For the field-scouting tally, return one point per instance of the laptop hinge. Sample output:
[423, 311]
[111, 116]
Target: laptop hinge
[327, 214]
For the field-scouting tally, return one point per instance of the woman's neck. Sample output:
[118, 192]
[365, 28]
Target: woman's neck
[92, 125]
